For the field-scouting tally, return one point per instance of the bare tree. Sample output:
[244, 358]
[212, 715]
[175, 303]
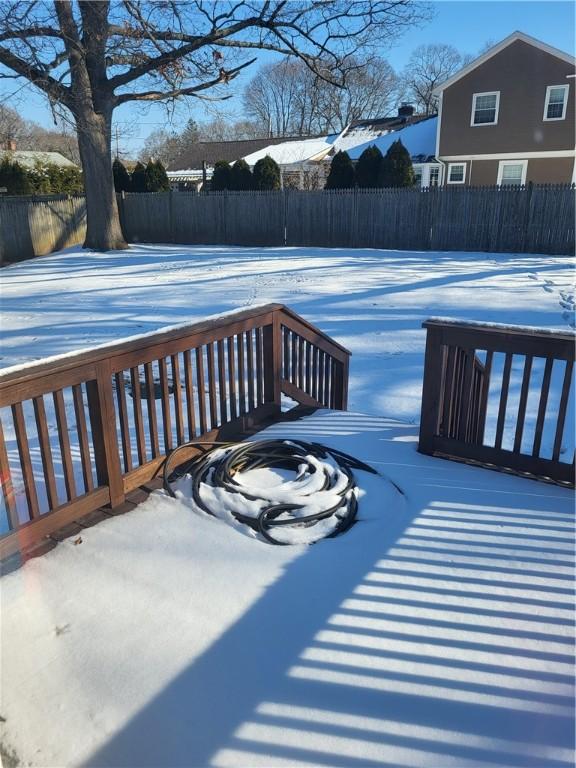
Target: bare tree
[162, 145]
[287, 99]
[93, 56]
[30, 136]
[371, 90]
[428, 67]
[273, 99]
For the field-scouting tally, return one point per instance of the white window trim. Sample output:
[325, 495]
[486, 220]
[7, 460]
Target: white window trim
[503, 163]
[497, 110]
[566, 88]
[450, 166]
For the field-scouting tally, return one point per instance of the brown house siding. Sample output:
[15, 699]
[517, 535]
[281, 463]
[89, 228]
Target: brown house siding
[521, 72]
[554, 170]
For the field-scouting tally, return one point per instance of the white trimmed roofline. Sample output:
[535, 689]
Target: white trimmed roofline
[499, 47]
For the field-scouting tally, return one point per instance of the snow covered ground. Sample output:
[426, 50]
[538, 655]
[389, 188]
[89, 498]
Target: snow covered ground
[371, 301]
[437, 632]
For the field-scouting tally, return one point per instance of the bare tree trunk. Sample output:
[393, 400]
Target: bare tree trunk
[103, 231]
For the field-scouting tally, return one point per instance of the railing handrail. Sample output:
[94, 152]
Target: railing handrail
[500, 328]
[59, 364]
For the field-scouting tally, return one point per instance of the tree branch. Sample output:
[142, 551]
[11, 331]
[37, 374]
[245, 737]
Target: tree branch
[224, 77]
[172, 55]
[38, 77]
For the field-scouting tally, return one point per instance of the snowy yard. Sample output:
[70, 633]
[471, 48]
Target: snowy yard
[372, 302]
[437, 632]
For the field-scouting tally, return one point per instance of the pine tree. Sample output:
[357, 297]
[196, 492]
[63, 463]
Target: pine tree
[139, 178]
[241, 176]
[221, 178]
[396, 167]
[122, 182]
[161, 178]
[14, 177]
[368, 168]
[266, 174]
[341, 174]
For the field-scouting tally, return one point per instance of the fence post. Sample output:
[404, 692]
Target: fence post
[171, 214]
[431, 389]
[273, 360]
[103, 426]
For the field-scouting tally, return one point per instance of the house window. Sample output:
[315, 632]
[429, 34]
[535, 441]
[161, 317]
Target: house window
[434, 176]
[512, 173]
[556, 101]
[485, 108]
[456, 173]
[417, 175]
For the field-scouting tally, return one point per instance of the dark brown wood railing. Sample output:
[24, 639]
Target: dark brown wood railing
[500, 396]
[80, 432]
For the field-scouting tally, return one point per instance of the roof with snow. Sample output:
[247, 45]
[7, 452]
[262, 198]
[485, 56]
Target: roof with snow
[293, 151]
[419, 139]
[210, 152]
[29, 158]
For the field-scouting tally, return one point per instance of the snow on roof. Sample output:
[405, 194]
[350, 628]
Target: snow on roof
[29, 158]
[356, 136]
[292, 151]
[419, 139]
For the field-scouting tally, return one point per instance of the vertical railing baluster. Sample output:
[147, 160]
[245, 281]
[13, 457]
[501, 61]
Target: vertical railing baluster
[7, 485]
[45, 452]
[64, 441]
[83, 438]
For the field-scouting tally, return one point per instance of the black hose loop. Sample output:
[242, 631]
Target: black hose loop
[323, 496]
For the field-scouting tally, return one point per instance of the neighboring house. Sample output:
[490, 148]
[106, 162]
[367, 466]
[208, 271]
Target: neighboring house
[508, 116]
[196, 163]
[420, 141]
[298, 161]
[303, 161]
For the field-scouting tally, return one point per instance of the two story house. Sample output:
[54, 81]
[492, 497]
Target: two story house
[508, 117]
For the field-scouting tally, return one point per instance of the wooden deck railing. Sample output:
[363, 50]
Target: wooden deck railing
[500, 396]
[81, 431]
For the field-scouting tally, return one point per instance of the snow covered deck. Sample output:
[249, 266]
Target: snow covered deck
[437, 632]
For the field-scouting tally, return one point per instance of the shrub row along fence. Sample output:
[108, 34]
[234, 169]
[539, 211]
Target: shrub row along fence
[35, 227]
[81, 431]
[532, 219]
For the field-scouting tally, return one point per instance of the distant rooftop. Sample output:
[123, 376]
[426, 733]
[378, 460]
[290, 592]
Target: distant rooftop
[29, 158]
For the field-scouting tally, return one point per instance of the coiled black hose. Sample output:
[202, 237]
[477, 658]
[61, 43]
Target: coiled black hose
[323, 492]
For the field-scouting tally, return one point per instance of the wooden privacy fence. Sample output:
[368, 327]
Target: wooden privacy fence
[80, 431]
[35, 227]
[532, 219]
[501, 396]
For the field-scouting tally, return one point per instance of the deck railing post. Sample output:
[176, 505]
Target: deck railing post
[340, 384]
[273, 360]
[103, 428]
[431, 390]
